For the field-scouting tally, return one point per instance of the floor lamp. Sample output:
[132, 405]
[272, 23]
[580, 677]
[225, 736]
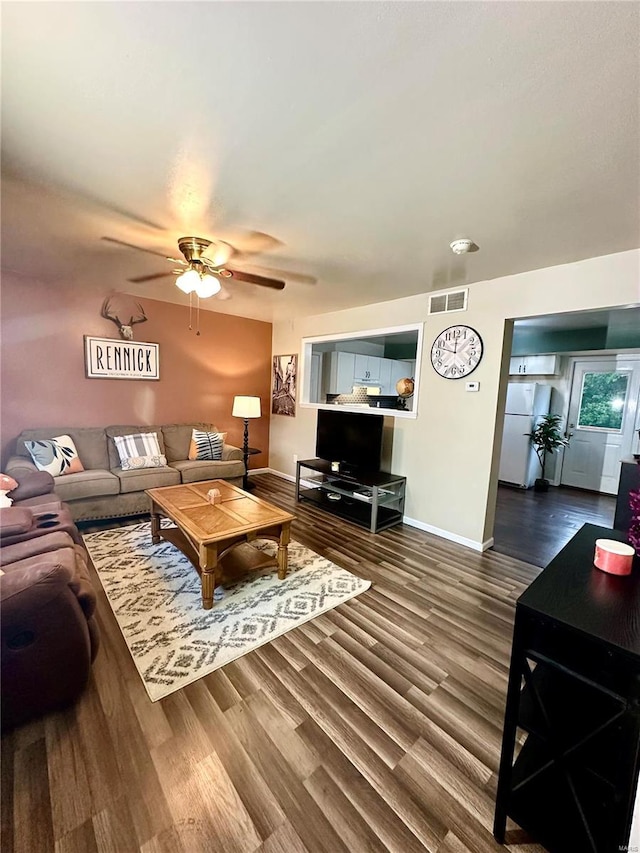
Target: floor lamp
[245, 408]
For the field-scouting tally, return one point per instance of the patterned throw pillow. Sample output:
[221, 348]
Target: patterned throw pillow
[56, 455]
[206, 445]
[134, 462]
[132, 449]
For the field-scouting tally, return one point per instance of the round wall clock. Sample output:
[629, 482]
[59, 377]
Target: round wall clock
[456, 352]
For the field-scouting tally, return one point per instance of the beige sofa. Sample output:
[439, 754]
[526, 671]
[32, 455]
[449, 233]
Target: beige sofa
[103, 489]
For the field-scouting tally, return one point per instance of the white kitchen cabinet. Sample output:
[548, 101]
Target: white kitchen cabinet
[384, 379]
[347, 369]
[538, 365]
[341, 372]
[367, 369]
[399, 370]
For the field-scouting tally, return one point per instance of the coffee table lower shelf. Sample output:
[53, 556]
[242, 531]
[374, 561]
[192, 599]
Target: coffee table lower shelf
[240, 558]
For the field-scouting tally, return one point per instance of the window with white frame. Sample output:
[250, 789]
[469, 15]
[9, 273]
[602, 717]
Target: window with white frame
[376, 369]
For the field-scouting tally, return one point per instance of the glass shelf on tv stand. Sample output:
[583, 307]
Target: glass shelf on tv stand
[372, 499]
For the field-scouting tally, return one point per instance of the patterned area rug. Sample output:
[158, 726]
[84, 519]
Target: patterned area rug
[155, 594]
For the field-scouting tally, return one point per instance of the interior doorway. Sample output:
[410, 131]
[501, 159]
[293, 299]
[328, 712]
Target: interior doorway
[590, 363]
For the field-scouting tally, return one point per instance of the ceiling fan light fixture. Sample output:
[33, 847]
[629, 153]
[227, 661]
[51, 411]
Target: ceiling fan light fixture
[188, 281]
[207, 286]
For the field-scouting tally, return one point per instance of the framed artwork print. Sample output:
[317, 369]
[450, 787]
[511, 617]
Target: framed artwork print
[284, 385]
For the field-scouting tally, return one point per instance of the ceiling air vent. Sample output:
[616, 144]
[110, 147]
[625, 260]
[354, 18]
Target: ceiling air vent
[448, 302]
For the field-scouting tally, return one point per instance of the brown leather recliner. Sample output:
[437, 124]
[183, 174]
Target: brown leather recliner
[48, 633]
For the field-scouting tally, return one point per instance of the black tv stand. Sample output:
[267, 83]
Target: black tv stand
[372, 499]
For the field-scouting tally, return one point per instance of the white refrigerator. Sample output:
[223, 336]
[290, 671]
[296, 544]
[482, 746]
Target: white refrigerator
[526, 403]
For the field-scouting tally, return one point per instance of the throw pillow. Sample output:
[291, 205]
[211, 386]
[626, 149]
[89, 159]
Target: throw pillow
[137, 444]
[132, 463]
[7, 484]
[206, 445]
[56, 456]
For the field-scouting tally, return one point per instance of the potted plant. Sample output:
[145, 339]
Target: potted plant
[546, 438]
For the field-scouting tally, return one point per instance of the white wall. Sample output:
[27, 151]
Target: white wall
[448, 451]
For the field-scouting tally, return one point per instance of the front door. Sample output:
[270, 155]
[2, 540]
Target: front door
[603, 409]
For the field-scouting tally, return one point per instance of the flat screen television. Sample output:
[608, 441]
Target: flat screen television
[351, 438]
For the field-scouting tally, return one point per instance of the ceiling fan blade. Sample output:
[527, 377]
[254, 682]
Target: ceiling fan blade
[250, 242]
[140, 278]
[287, 275]
[273, 283]
[140, 249]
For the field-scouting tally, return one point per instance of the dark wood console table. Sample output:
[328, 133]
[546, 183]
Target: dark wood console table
[574, 690]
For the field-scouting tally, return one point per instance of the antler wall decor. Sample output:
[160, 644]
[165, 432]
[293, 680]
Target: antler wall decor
[125, 329]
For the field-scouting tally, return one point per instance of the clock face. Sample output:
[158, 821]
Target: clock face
[456, 352]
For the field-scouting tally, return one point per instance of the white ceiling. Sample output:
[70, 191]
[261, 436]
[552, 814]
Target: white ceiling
[364, 137]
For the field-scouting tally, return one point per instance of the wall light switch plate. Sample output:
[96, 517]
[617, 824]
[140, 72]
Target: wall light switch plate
[472, 386]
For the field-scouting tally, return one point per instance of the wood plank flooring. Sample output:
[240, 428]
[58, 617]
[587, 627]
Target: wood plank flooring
[376, 727]
[533, 526]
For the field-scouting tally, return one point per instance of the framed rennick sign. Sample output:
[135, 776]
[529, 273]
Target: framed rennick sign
[109, 358]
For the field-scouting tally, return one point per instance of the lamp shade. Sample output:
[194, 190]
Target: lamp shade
[246, 407]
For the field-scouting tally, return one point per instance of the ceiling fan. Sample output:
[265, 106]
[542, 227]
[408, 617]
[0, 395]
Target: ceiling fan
[202, 267]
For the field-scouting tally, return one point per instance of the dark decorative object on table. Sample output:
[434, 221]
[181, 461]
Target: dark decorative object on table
[546, 438]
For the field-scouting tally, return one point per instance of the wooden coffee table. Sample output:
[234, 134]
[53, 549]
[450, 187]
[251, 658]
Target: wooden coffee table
[206, 533]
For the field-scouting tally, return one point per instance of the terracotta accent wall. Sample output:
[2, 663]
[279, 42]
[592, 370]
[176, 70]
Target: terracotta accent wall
[43, 375]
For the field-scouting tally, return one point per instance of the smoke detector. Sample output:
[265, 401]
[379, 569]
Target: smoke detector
[462, 246]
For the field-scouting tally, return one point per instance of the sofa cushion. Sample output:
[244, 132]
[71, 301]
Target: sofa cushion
[192, 471]
[147, 478]
[86, 484]
[32, 486]
[111, 431]
[90, 442]
[14, 520]
[177, 438]
[32, 547]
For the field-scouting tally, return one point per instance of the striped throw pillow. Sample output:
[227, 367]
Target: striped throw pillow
[137, 445]
[206, 445]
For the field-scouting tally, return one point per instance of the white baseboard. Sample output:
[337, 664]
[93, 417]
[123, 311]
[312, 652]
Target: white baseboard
[446, 534]
[259, 471]
[284, 476]
[413, 522]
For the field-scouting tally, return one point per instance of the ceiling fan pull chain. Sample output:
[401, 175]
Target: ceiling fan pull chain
[190, 311]
[198, 314]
